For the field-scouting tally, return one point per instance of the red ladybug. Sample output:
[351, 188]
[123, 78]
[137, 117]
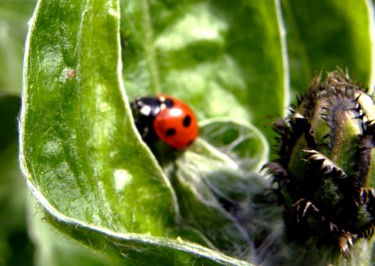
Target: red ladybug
[166, 118]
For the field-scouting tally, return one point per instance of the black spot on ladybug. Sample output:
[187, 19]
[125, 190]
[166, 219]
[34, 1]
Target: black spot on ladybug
[169, 103]
[187, 121]
[170, 132]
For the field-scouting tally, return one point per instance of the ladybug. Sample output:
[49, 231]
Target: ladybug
[167, 118]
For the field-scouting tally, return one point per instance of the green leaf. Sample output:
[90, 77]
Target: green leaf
[77, 135]
[325, 34]
[244, 144]
[56, 249]
[82, 157]
[136, 249]
[207, 51]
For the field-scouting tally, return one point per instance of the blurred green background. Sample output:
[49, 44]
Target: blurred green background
[15, 246]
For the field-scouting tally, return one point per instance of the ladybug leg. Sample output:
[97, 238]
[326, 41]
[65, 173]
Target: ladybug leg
[145, 132]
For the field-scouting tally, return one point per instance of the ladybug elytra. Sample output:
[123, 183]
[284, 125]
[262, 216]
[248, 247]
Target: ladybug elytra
[166, 118]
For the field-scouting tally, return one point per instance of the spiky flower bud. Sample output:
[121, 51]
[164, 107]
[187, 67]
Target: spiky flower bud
[325, 169]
